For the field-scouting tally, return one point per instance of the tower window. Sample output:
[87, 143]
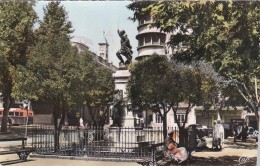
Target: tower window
[141, 41]
[148, 40]
[162, 39]
[155, 39]
[148, 20]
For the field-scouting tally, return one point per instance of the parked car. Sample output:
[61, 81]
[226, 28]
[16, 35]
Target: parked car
[255, 135]
[250, 132]
[196, 133]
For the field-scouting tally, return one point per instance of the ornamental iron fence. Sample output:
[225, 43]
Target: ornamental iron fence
[107, 142]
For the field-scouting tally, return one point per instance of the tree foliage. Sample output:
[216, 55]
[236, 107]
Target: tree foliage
[16, 38]
[96, 88]
[49, 69]
[224, 33]
[58, 74]
[161, 85]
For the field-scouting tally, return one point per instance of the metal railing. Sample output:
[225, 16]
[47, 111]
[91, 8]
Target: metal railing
[97, 141]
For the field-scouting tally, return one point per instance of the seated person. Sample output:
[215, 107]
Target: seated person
[171, 150]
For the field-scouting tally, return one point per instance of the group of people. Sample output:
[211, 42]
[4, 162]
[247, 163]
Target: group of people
[240, 131]
[180, 154]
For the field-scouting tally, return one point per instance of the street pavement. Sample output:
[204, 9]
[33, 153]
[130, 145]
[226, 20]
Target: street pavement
[32, 161]
[239, 153]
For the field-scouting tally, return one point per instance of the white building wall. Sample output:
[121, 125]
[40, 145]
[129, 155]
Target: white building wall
[170, 119]
[149, 50]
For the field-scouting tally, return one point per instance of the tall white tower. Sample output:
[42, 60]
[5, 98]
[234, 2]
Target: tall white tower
[151, 40]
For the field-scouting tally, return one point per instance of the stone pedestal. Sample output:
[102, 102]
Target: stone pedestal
[124, 139]
[121, 77]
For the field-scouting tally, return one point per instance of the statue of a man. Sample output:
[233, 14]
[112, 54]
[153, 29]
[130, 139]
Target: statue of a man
[126, 49]
[118, 109]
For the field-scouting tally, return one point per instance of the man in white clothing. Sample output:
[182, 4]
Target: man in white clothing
[218, 134]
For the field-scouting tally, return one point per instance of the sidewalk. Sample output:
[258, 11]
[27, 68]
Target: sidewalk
[239, 153]
[32, 161]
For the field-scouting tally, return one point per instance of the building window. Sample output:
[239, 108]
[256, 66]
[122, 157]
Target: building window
[148, 40]
[141, 22]
[156, 40]
[181, 118]
[162, 39]
[158, 118]
[141, 41]
[152, 39]
[11, 113]
[148, 20]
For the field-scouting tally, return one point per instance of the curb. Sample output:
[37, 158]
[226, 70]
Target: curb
[84, 158]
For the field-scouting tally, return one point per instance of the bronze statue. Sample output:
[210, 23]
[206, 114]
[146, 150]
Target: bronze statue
[117, 109]
[126, 49]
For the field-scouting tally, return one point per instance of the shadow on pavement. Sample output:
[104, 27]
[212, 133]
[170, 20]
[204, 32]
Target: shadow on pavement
[226, 160]
[9, 162]
[249, 144]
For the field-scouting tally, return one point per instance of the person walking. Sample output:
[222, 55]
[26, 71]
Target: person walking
[218, 134]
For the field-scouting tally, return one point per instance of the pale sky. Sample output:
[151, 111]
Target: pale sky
[90, 18]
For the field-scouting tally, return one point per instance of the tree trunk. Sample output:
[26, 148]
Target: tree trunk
[63, 115]
[92, 113]
[8, 101]
[4, 120]
[56, 133]
[164, 119]
[183, 137]
[258, 145]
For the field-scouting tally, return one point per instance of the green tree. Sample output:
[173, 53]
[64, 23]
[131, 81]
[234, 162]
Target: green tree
[146, 94]
[16, 38]
[51, 66]
[95, 88]
[162, 85]
[224, 33]
[54, 33]
[58, 74]
[100, 95]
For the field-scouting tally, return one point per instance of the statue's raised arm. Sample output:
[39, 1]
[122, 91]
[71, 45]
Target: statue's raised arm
[125, 50]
